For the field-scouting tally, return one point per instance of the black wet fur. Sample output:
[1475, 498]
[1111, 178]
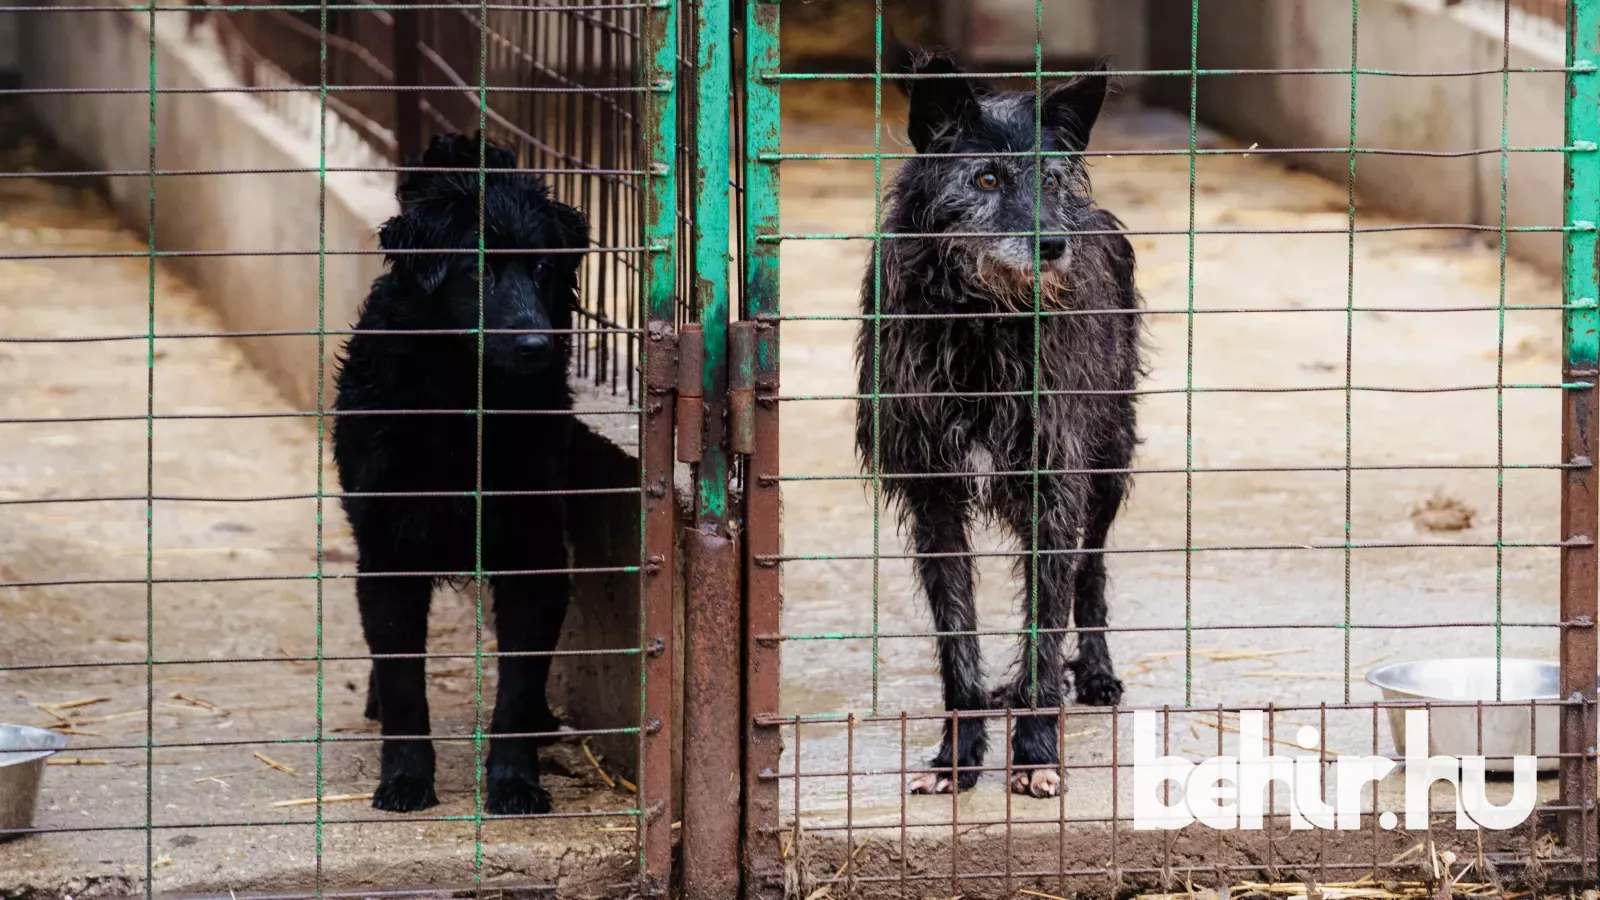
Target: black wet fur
[440, 453]
[942, 354]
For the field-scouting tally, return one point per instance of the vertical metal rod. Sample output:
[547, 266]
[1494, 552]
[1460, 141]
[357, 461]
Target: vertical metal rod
[1580, 492]
[658, 526]
[711, 720]
[763, 581]
[712, 614]
[713, 120]
[407, 77]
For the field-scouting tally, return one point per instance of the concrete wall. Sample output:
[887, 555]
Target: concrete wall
[1003, 31]
[266, 214]
[1437, 114]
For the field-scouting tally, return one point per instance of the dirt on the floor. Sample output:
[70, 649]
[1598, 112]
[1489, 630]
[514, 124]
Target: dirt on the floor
[245, 710]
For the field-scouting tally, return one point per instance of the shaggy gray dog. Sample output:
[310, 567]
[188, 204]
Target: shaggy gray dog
[955, 365]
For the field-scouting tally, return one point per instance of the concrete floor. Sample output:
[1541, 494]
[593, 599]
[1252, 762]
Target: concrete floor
[233, 839]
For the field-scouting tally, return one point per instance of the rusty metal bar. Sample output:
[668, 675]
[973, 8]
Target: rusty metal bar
[1580, 434]
[658, 626]
[763, 600]
[711, 719]
[657, 622]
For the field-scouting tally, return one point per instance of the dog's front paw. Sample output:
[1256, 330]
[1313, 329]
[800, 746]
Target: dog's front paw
[404, 793]
[1097, 688]
[405, 782]
[515, 792]
[1039, 783]
[940, 782]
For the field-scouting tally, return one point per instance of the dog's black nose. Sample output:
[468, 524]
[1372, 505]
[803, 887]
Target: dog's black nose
[533, 346]
[1052, 248]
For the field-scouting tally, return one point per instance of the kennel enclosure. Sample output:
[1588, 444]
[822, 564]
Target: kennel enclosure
[668, 121]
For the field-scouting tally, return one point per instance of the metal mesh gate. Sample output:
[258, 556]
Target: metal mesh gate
[834, 742]
[208, 631]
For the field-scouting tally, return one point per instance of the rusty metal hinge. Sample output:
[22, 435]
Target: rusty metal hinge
[691, 392]
[742, 387]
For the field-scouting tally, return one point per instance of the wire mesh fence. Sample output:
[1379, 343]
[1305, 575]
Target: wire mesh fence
[1364, 440]
[209, 677]
[1306, 502]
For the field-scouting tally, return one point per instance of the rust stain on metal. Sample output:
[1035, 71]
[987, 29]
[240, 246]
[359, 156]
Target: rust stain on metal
[1580, 517]
[711, 718]
[657, 592]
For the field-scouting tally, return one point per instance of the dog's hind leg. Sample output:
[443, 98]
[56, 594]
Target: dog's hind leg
[939, 517]
[394, 617]
[528, 611]
[1094, 681]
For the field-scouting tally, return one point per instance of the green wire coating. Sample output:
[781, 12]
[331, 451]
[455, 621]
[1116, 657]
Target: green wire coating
[149, 501]
[1188, 374]
[1038, 339]
[481, 264]
[1350, 339]
[877, 342]
[1500, 363]
[322, 348]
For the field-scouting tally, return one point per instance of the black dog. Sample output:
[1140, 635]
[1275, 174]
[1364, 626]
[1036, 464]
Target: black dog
[523, 449]
[974, 377]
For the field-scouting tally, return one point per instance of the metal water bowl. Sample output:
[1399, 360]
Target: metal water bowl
[1453, 730]
[23, 751]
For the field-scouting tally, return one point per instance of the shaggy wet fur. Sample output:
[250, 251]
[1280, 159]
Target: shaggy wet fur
[381, 454]
[1087, 364]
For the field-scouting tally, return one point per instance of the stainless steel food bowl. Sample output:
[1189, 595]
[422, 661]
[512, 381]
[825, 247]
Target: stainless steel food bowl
[23, 751]
[1453, 730]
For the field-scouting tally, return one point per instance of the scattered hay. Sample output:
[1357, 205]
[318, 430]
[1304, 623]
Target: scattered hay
[274, 764]
[329, 798]
[612, 781]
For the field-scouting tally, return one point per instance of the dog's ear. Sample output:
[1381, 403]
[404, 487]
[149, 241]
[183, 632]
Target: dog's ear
[899, 59]
[938, 104]
[412, 231]
[1072, 107]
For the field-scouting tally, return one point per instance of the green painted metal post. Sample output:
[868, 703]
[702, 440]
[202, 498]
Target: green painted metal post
[712, 615]
[1580, 495]
[763, 579]
[713, 58]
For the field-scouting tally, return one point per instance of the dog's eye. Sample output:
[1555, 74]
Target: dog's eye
[1051, 182]
[988, 181]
